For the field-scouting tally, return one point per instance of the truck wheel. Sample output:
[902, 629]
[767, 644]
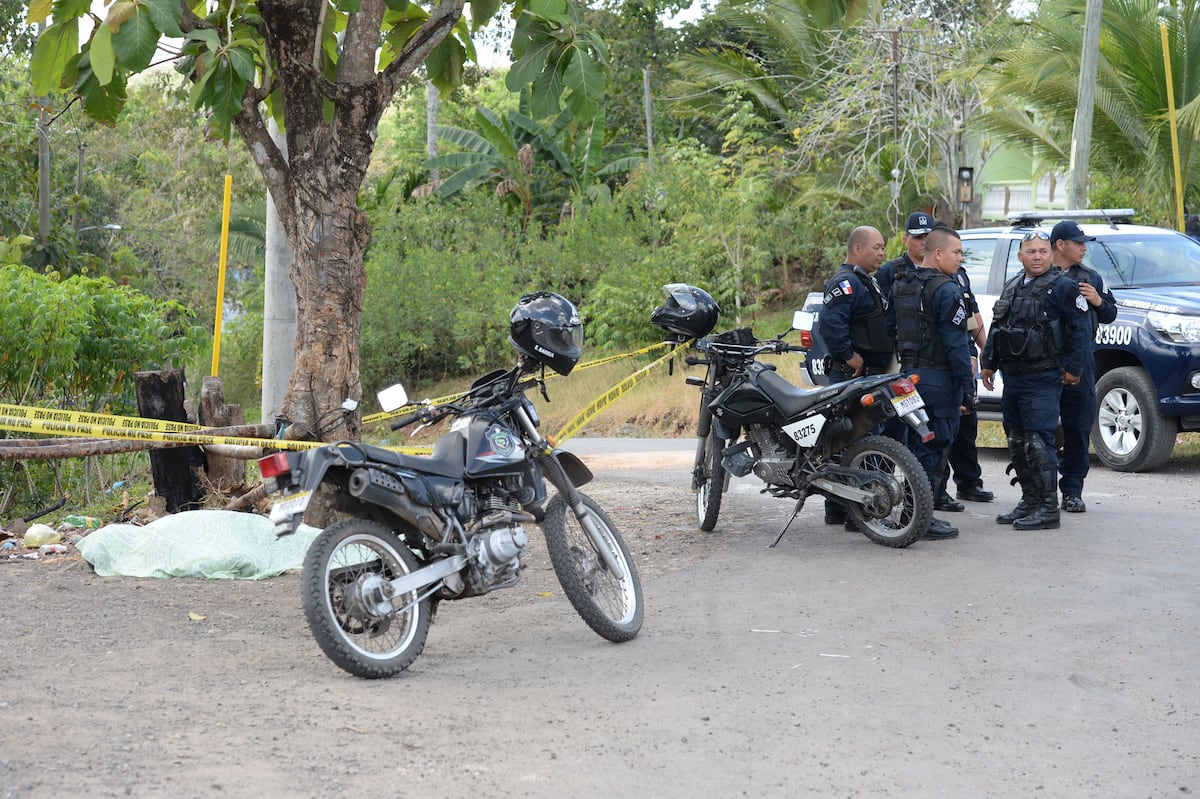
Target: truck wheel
[1129, 434]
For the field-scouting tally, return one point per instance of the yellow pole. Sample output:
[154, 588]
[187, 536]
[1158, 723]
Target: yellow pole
[221, 275]
[1174, 133]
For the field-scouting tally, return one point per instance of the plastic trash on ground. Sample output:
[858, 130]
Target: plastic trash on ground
[40, 534]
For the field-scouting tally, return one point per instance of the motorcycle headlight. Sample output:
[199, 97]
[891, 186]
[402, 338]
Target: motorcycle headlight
[1176, 327]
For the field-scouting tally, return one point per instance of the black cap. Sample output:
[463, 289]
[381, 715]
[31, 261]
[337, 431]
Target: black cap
[919, 223]
[1068, 231]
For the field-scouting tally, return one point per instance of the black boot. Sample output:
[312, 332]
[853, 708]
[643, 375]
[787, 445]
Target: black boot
[1016, 451]
[1044, 474]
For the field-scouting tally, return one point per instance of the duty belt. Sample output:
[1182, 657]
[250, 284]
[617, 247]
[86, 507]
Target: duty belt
[918, 362]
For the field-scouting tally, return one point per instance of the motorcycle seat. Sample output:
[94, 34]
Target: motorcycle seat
[792, 400]
[442, 464]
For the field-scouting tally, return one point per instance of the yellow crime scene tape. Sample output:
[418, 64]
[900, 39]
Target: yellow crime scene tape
[57, 422]
[379, 417]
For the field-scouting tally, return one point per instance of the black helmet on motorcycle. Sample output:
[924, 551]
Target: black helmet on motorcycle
[546, 327]
[688, 311]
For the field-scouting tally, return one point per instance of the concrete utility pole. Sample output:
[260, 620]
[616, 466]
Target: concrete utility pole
[279, 308]
[1081, 136]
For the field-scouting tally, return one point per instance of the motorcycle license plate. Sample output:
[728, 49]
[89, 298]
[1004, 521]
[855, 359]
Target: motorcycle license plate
[286, 513]
[908, 403]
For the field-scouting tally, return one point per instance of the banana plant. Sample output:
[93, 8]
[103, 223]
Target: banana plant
[521, 157]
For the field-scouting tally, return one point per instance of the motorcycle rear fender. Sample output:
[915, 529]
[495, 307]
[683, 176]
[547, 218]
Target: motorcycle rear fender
[578, 473]
[314, 466]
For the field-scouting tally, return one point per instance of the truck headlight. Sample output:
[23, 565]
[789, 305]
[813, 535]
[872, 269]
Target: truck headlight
[1183, 329]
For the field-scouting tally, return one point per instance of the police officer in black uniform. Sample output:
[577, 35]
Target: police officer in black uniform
[916, 228]
[1038, 340]
[964, 451]
[1068, 245]
[931, 336]
[854, 323]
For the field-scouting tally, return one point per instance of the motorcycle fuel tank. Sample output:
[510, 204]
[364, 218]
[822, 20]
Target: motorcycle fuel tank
[743, 404]
[493, 448]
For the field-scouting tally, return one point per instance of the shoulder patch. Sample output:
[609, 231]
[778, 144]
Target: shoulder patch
[960, 316]
[1081, 303]
[847, 287]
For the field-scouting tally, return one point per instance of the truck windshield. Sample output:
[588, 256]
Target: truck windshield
[1145, 261]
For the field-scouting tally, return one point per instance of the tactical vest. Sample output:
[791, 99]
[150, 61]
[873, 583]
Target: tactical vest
[912, 299]
[869, 333]
[1024, 337]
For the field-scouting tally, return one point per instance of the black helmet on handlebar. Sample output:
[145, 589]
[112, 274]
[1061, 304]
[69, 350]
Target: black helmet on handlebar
[688, 311]
[546, 327]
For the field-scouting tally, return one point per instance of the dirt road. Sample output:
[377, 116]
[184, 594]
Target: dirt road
[1057, 663]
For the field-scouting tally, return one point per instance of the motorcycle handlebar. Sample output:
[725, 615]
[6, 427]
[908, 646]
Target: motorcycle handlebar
[406, 420]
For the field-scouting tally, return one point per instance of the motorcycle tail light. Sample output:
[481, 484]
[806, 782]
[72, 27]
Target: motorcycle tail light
[274, 465]
[904, 385]
[806, 339]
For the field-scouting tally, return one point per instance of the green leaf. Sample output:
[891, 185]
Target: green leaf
[166, 15]
[208, 36]
[529, 65]
[544, 94]
[136, 41]
[482, 12]
[55, 48]
[242, 62]
[586, 79]
[102, 57]
[102, 103]
[38, 11]
[553, 10]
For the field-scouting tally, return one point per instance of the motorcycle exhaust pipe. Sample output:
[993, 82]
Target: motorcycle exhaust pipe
[382, 489]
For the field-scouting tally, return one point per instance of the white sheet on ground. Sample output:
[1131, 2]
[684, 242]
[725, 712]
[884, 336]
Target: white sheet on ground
[218, 544]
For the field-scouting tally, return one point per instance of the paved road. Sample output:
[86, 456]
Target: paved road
[1051, 663]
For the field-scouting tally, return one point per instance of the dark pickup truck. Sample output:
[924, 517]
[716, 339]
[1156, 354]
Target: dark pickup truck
[1147, 360]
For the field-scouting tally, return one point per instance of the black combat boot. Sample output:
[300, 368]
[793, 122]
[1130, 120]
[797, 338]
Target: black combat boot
[1044, 475]
[1016, 451]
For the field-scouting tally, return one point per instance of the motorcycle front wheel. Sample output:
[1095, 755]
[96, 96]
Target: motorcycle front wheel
[709, 480]
[609, 604]
[345, 572]
[910, 516]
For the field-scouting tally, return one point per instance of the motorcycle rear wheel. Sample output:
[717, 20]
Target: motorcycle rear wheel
[910, 518]
[709, 479]
[343, 560]
[612, 606]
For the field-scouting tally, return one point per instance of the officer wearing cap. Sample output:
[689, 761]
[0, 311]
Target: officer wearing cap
[1038, 339]
[916, 228]
[854, 323]
[931, 337]
[964, 451]
[1068, 246]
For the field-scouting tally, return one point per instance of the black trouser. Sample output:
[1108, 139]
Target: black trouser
[964, 456]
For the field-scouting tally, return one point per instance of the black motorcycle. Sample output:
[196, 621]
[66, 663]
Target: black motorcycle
[798, 441]
[451, 525]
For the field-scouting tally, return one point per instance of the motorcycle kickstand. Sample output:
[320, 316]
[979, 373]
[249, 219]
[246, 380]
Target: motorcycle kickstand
[792, 518]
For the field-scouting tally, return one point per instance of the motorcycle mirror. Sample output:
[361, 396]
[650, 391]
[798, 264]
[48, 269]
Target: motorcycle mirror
[392, 397]
[803, 320]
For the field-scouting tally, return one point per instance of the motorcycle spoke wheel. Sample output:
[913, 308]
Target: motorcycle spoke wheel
[711, 480]
[910, 517]
[610, 605]
[345, 572]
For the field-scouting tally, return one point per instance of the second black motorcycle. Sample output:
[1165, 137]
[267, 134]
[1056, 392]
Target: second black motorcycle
[798, 441]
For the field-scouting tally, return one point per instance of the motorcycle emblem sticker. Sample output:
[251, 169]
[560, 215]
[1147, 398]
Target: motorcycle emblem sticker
[501, 440]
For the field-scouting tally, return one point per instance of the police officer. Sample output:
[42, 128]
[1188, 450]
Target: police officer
[931, 336]
[1038, 340]
[854, 324]
[1068, 245]
[916, 228]
[964, 450]
[855, 314]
